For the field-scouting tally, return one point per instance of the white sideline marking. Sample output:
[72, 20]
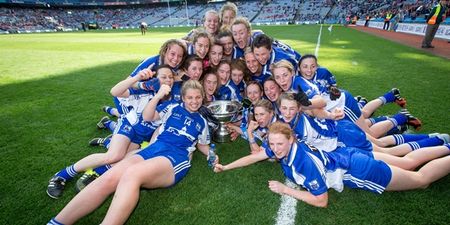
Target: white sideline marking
[288, 208]
[318, 42]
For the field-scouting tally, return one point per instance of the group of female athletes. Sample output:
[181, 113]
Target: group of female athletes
[293, 112]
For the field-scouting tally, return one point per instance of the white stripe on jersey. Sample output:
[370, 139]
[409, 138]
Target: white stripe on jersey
[350, 114]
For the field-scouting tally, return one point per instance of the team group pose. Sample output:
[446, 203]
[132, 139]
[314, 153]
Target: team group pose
[293, 112]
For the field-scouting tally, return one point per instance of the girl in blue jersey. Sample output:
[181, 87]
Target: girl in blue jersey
[210, 25]
[254, 93]
[254, 67]
[160, 165]
[272, 92]
[328, 135]
[172, 53]
[284, 74]
[226, 91]
[210, 83]
[192, 69]
[228, 13]
[238, 78]
[325, 81]
[225, 38]
[131, 131]
[200, 45]
[215, 54]
[317, 171]
[256, 129]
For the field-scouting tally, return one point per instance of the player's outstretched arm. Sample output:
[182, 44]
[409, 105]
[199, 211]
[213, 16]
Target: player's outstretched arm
[244, 161]
[305, 196]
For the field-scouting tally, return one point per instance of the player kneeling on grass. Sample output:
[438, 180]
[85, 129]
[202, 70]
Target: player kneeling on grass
[160, 165]
[317, 171]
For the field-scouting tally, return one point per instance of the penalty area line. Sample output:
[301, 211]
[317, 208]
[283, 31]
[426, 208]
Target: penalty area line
[316, 53]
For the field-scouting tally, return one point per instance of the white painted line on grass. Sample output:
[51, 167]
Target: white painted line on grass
[288, 208]
[318, 42]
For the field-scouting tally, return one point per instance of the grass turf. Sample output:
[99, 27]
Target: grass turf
[53, 86]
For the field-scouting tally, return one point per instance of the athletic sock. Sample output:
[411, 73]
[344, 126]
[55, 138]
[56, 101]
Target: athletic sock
[428, 142]
[375, 120]
[111, 125]
[404, 138]
[398, 119]
[387, 98]
[107, 142]
[109, 110]
[53, 221]
[67, 173]
[102, 169]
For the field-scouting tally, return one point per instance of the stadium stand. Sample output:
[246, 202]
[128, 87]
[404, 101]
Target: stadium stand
[64, 15]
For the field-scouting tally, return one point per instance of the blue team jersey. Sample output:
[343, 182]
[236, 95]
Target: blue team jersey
[315, 170]
[260, 78]
[287, 48]
[324, 79]
[239, 89]
[182, 129]
[153, 85]
[276, 55]
[320, 133]
[237, 53]
[227, 92]
[346, 102]
[300, 83]
[146, 63]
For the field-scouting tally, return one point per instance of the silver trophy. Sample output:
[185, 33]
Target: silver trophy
[224, 111]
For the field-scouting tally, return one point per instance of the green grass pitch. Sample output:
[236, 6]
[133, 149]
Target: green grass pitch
[52, 88]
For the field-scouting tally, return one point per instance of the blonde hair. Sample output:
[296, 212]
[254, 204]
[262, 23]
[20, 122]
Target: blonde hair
[282, 64]
[280, 128]
[264, 103]
[289, 96]
[192, 84]
[228, 6]
[242, 20]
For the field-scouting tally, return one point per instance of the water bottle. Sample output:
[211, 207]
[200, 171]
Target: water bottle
[212, 155]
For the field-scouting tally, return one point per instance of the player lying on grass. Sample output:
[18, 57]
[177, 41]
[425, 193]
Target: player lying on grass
[132, 130]
[317, 171]
[327, 135]
[160, 165]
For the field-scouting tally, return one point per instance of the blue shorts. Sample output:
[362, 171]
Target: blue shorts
[367, 173]
[125, 128]
[352, 136]
[351, 108]
[178, 158]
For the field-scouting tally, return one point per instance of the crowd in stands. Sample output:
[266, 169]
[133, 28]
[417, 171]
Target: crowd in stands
[258, 11]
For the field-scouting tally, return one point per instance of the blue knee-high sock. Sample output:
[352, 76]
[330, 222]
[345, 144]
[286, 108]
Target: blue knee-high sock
[387, 97]
[378, 119]
[67, 173]
[102, 169]
[109, 110]
[398, 119]
[111, 125]
[107, 142]
[395, 130]
[53, 221]
[428, 142]
[404, 138]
